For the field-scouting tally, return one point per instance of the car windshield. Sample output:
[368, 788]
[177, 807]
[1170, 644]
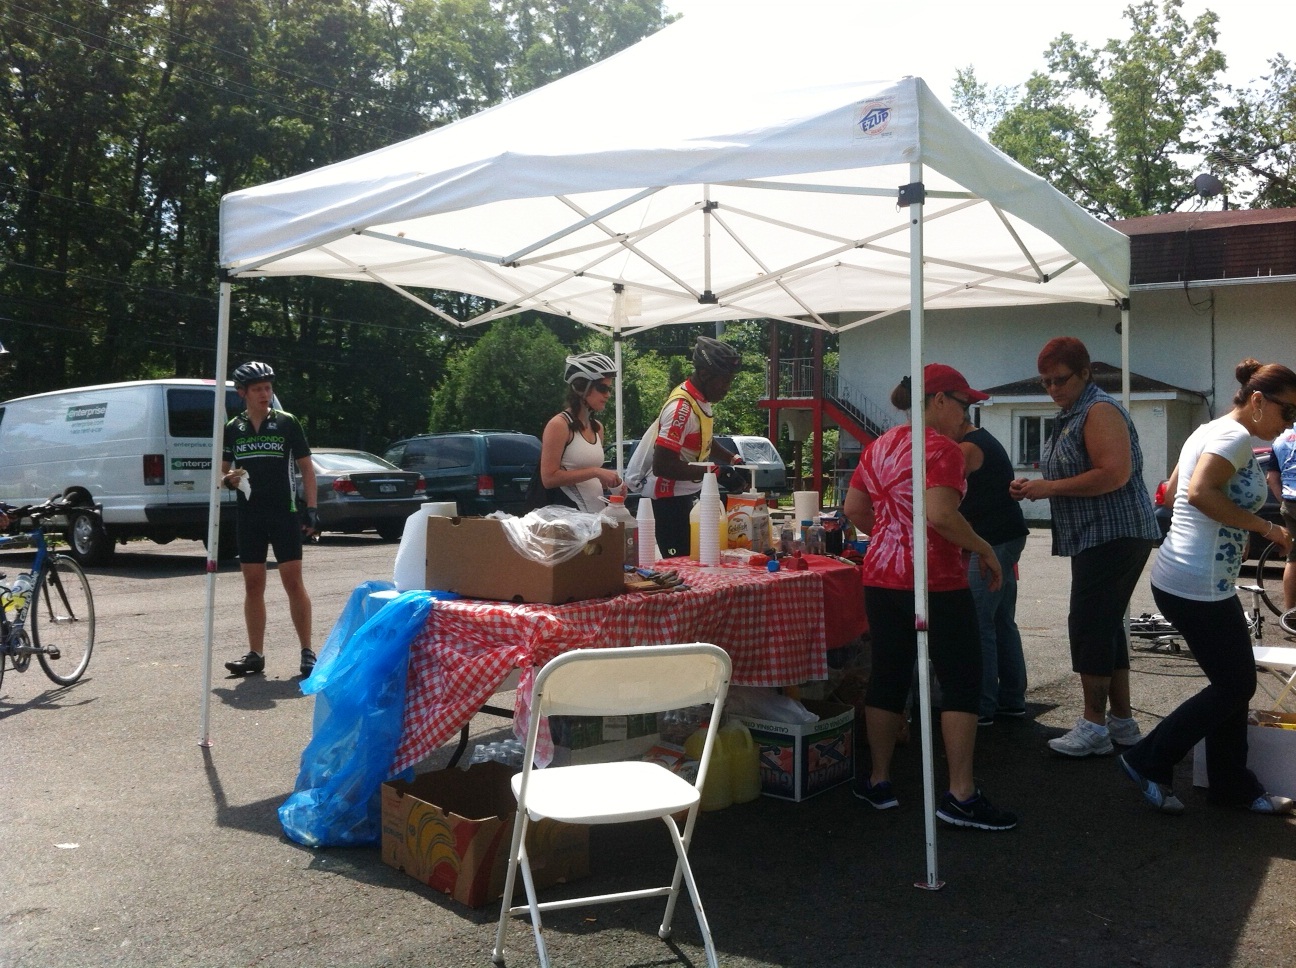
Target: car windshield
[758, 451]
[338, 463]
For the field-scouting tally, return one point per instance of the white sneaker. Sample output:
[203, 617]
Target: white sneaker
[1084, 739]
[1123, 732]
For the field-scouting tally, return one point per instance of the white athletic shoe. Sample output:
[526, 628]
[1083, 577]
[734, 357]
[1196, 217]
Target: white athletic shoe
[1084, 739]
[1123, 732]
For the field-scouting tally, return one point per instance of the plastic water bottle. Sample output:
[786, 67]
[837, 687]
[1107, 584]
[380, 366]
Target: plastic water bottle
[787, 538]
[616, 513]
[647, 533]
[20, 592]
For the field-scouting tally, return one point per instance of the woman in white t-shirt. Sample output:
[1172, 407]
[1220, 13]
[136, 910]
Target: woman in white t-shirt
[571, 449]
[1217, 488]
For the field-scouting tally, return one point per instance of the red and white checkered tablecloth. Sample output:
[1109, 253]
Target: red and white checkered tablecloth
[771, 624]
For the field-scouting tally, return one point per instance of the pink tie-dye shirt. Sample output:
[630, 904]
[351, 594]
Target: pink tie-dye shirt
[885, 473]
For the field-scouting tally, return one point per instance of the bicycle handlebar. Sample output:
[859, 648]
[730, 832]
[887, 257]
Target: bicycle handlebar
[51, 508]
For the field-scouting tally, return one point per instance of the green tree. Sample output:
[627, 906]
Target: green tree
[1114, 127]
[510, 378]
[1256, 146]
[122, 125]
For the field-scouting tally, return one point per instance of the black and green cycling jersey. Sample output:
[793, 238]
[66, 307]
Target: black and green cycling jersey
[269, 454]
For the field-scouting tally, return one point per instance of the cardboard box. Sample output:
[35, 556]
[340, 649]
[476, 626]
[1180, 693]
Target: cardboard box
[800, 760]
[601, 739]
[1271, 755]
[451, 830]
[473, 557]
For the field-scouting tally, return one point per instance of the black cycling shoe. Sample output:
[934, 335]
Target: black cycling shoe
[250, 663]
[308, 662]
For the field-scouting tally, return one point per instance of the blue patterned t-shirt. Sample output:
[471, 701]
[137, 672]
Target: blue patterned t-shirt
[1200, 557]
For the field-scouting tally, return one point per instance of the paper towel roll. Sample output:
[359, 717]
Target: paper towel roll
[410, 570]
[806, 506]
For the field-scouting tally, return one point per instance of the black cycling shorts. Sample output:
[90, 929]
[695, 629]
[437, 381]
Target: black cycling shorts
[258, 532]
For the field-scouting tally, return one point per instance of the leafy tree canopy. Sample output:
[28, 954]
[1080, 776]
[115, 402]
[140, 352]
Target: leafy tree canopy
[1124, 128]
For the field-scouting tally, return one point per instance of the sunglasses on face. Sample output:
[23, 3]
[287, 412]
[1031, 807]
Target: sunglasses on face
[601, 387]
[1288, 409]
[1048, 382]
[965, 404]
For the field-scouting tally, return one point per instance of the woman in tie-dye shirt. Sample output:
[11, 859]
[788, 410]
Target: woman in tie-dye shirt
[880, 503]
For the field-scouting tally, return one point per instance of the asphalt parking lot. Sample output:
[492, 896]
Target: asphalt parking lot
[125, 843]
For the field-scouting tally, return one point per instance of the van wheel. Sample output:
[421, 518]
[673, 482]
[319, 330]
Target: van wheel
[88, 543]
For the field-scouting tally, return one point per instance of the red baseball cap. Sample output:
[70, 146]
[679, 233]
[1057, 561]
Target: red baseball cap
[939, 378]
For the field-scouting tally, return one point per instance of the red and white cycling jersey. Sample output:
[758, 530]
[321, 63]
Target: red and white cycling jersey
[684, 427]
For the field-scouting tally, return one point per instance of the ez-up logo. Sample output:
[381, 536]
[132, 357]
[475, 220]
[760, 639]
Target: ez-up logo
[89, 411]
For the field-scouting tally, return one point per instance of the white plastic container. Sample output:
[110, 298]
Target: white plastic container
[617, 513]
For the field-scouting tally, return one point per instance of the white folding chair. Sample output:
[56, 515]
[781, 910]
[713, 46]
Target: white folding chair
[603, 682]
[1282, 662]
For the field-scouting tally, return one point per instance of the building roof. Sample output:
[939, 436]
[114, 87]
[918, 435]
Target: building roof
[1181, 247]
[1107, 377]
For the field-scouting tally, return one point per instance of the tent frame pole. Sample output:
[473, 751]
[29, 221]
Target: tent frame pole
[213, 509]
[914, 200]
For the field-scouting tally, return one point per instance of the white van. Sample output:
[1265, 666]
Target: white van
[138, 452]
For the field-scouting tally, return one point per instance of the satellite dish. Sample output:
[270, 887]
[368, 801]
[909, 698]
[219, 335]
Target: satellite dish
[1207, 185]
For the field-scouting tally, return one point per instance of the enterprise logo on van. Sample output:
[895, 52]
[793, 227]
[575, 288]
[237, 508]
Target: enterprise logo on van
[89, 411]
[190, 464]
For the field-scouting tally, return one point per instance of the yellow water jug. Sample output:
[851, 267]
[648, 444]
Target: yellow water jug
[717, 791]
[744, 761]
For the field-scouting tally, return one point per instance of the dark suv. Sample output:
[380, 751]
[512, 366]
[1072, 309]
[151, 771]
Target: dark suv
[480, 470]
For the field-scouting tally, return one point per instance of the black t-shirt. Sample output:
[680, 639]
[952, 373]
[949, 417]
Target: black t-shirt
[269, 454]
[988, 507]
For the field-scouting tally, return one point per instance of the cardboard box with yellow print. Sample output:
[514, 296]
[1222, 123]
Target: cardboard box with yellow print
[451, 830]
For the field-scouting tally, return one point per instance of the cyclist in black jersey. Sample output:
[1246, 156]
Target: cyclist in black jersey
[262, 444]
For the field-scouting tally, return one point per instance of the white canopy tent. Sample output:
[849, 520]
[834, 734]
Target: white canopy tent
[717, 170]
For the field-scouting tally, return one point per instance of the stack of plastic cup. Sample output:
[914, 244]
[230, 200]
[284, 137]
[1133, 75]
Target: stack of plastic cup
[709, 529]
[647, 533]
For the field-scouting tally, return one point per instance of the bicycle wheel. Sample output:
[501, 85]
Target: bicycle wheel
[62, 619]
[1270, 585]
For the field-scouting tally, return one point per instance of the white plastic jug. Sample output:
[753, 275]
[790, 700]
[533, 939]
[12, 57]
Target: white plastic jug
[617, 513]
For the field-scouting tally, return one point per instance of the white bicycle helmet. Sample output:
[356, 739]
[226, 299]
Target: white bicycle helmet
[588, 366]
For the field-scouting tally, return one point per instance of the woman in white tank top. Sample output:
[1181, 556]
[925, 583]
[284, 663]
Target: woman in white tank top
[571, 452]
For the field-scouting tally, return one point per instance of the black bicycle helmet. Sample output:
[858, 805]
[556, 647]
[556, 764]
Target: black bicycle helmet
[253, 372]
[588, 366]
[715, 356]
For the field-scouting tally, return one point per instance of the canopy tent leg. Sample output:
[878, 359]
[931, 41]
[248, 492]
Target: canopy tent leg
[213, 510]
[618, 323]
[913, 193]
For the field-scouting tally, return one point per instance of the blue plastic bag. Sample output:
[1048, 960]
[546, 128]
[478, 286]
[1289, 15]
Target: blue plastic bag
[359, 683]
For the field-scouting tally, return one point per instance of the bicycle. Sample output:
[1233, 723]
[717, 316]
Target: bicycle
[49, 611]
[1270, 554]
[1157, 630]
